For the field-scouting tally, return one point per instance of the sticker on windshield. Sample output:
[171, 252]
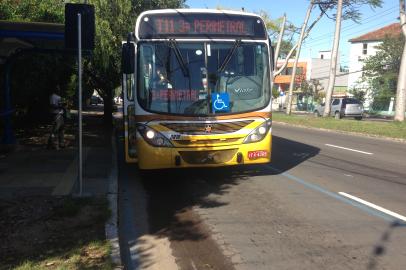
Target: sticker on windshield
[220, 102]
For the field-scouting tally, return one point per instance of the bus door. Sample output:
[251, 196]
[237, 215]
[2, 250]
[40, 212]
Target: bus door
[128, 84]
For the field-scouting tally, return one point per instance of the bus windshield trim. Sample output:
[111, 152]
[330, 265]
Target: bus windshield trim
[254, 86]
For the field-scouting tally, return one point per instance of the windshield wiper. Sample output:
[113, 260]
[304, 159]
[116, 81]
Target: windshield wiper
[174, 46]
[230, 54]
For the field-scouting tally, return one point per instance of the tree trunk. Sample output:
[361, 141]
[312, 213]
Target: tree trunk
[278, 45]
[333, 62]
[401, 87]
[108, 108]
[292, 81]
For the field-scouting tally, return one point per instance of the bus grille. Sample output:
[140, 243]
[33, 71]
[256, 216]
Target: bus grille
[207, 128]
[208, 157]
[208, 141]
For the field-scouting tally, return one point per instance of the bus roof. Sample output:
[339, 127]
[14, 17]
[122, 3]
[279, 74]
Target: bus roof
[186, 15]
[198, 10]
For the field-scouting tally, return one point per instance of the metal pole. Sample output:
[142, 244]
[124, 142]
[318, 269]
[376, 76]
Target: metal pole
[80, 103]
[333, 60]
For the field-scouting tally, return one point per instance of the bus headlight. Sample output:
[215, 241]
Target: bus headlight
[153, 137]
[150, 134]
[259, 133]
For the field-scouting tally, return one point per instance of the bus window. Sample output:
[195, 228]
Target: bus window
[168, 89]
[244, 78]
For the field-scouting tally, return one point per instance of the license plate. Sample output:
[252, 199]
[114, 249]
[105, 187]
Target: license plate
[257, 154]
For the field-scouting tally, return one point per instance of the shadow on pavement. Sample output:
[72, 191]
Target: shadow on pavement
[166, 198]
[381, 248]
[172, 192]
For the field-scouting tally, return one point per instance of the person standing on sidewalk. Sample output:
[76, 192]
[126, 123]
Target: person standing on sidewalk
[57, 111]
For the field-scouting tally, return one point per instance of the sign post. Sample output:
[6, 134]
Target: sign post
[80, 104]
[79, 38]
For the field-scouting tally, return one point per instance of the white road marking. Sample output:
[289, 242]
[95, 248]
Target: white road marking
[349, 149]
[386, 211]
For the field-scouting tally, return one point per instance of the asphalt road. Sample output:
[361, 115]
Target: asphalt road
[302, 211]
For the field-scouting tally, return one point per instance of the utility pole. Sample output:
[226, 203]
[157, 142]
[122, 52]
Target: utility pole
[333, 61]
[278, 45]
[401, 87]
[299, 46]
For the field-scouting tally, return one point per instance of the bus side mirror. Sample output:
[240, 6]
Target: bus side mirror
[272, 58]
[128, 58]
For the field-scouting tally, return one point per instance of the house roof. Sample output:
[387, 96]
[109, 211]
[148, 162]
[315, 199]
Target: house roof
[379, 34]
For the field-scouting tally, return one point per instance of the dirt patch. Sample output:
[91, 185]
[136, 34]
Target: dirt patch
[38, 232]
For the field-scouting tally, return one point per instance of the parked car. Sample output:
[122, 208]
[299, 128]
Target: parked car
[94, 100]
[342, 107]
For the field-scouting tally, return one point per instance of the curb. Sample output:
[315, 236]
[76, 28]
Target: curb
[111, 226]
[345, 132]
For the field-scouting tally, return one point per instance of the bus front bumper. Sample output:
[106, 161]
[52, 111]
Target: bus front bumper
[150, 157]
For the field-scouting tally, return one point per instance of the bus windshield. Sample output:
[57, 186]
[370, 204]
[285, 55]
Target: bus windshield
[197, 78]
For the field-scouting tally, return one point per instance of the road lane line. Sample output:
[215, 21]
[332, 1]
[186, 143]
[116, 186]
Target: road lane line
[377, 207]
[333, 195]
[336, 196]
[349, 149]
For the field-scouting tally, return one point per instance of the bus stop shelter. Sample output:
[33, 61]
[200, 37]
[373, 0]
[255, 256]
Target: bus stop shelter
[17, 38]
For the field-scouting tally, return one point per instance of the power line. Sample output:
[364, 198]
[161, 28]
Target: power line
[366, 20]
[307, 45]
[319, 41]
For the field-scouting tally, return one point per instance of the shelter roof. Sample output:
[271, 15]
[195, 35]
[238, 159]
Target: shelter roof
[25, 35]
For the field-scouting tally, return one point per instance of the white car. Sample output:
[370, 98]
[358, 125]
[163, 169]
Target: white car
[342, 107]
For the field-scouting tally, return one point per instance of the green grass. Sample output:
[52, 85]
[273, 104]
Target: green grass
[94, 255]
[383, 129]
[71, 236]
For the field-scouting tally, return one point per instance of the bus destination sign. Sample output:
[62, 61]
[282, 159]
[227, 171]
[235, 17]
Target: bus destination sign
[196, 25]
[224, 27]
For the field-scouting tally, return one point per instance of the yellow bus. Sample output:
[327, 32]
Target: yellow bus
[197, 89]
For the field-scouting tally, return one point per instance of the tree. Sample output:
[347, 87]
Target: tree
[401, 86]
[282, 46]
[350, 11]
[114, 20]
[381, 70]
[32, 10]
[299, 45]
[346, 9]
[358, 94]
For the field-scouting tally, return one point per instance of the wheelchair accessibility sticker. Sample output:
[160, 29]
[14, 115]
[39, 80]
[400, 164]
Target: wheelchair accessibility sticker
[220, 102]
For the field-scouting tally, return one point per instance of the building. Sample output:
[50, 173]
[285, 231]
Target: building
[314, 71]
[319, 70]
[362, 47]
[282, 81]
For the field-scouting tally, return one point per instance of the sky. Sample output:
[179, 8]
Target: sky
[321, 36]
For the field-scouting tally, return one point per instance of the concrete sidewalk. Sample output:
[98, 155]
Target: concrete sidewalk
[33, 170]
